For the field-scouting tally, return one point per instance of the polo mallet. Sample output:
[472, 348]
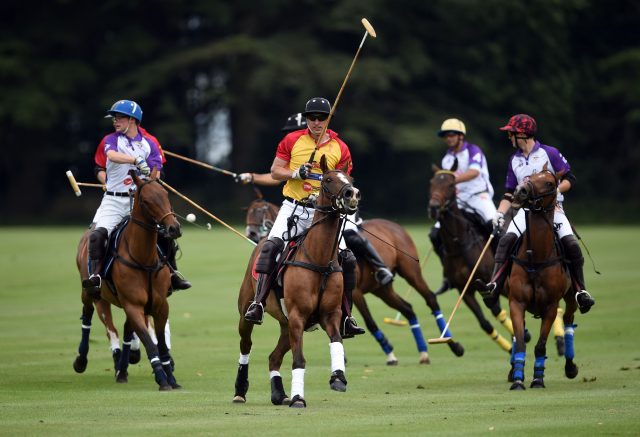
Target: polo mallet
[396, 321]
[369, 30]
[75, 185]
[442, 338]
[194, 204]
[200, 163]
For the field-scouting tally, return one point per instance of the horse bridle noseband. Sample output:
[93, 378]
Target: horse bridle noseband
[337, 199]
[534, 200]
[148, 216]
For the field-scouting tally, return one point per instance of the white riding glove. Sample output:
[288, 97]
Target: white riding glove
[498, 220]
[244, 178]
[302, 172]
[142, 166]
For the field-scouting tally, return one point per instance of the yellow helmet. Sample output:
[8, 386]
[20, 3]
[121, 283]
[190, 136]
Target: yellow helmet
[452, 125]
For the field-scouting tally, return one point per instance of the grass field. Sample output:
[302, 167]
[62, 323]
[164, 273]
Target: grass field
[40, 394]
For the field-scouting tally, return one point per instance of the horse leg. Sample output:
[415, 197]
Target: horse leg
[570, 368]
[558, 332]
[413, 275]
[391, 298]
[104, 312]
[472, 303]
[134, 353]
[242, 378]
[136, 317]
[501, 315]
[80, 363]
[278, 395]
[122, 375]
[296, 328]
[541, 347]
[519, 346]
[360, 303]
[160, 320]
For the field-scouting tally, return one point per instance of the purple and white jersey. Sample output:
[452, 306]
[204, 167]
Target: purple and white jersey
[118, 179]
[521, 167]
[469, 157]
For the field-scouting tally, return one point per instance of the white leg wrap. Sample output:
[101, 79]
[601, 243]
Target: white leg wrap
[336, 349]
[135, 342]
[167, 335]
[113, 340]
[273, 373]
[297, 382]
[152, 333]
[244, 359]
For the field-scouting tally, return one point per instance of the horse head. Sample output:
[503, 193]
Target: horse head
[442, 191]
[337, 190]
[538, 192]
[152, 200]
[260, 217]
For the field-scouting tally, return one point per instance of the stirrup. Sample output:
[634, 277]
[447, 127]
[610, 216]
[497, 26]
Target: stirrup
[93, 285]
[350, 328]
[488, 290]
[178, 282]
[584, 301]
[383, 276]
[255, 313]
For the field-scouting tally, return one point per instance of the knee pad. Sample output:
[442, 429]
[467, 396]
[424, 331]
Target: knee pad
[572, 250]
[267, 259]
[348, 261]
[354, 240]
[504, 247]
[97, 242]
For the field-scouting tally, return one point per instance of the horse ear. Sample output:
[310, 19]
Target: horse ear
[135, 177]
[154, 173]
[435, 168]
[259, 195]
[544, 167]
[323, 164]
[345, 167]
[454, 167]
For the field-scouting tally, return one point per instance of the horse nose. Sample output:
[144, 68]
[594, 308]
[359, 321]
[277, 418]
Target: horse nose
[174, 230]
[433, 209]
[253, 236]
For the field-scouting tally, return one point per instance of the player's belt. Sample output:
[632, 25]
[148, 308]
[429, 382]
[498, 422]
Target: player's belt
[113, 193]
[298, 202]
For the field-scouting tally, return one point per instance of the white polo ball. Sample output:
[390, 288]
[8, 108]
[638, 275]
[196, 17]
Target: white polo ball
[208, 226]
[191, 217]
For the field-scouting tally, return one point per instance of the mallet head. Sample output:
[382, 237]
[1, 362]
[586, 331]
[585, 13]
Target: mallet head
[370, 30]
[74, 184]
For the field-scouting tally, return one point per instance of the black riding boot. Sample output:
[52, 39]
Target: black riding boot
[264, 266]
[438, 248]
[575, 262]
[178, 282]
[348, 328]
[491, 292]
[362, 247]
[97, 250]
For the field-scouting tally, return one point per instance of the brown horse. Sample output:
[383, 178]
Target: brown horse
[538, 279]
[313, 292]
[139, 281]
[397, 249]
[463, 245]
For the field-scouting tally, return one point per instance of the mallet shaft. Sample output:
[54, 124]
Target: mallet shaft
[200, 163]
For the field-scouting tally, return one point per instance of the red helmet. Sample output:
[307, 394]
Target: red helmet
[521, 124]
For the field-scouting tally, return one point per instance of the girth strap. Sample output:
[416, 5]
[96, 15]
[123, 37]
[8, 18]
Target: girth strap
[325, 271]
[534, 267]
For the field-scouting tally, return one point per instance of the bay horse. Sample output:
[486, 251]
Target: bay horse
[538, 279]
[462, 246]
[399, 253]
[313, 291]
[139, 282]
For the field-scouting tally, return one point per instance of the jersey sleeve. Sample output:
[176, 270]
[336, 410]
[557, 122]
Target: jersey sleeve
[155, 158]
[512, 181]
[147, 135]
[476, 157]
[285, 146]
[100, 157]
[345, 157]
[558, 162]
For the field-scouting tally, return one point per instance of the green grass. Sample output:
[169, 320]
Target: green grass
[40, 394]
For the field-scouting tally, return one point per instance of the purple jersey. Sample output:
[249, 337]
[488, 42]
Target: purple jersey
[469, 157]
[521, 167]
[118, 178]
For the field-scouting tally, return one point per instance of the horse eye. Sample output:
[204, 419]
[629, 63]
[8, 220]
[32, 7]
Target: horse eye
[329, 180]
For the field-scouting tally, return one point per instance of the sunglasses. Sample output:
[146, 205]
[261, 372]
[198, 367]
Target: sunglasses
[317, 117]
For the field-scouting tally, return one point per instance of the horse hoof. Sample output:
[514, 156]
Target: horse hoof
[122, 377]
[297, 402]
[392, 362]
[337, 382]
[517, 385]
[457, 349]
[239, 400]
[338, 385]
[134, 356]
[560, 345]
[424, 358]
[176, 386]
[527, 336]
[165, 388]
[510, 375]
[537, 383]
[80, 364]
[570, 369]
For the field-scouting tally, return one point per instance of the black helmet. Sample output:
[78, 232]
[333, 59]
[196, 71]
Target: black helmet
[317, 105]
[295, 122]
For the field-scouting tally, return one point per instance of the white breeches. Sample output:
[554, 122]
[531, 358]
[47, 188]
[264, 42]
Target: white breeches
[480, 203]
[560, 223]
[111, 211]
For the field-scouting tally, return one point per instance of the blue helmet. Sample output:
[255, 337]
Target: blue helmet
[126, 107]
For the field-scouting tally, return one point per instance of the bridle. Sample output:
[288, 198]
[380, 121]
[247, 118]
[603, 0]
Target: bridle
[450, 198]
[145, 212]
[535, 200]
[338, 200]
[262, 222]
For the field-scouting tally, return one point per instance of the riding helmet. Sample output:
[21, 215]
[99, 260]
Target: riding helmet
[317, 105]
[295, 122]
[521, 124]
[126, 107]
[452, 125]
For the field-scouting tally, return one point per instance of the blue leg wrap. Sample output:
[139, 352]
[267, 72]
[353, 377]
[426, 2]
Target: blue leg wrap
[441, 323]
[569, 351]
[518, 369]
[417, 334]
[538, 369]
[513, 351]
[383, 342]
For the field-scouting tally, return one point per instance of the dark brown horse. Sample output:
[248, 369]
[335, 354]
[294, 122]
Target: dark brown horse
[139, 280]
[538, 279]
[463, 245]
[313, 292]
[397, 249]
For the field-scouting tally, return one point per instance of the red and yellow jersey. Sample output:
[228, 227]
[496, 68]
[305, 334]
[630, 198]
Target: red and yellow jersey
[297, 147]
